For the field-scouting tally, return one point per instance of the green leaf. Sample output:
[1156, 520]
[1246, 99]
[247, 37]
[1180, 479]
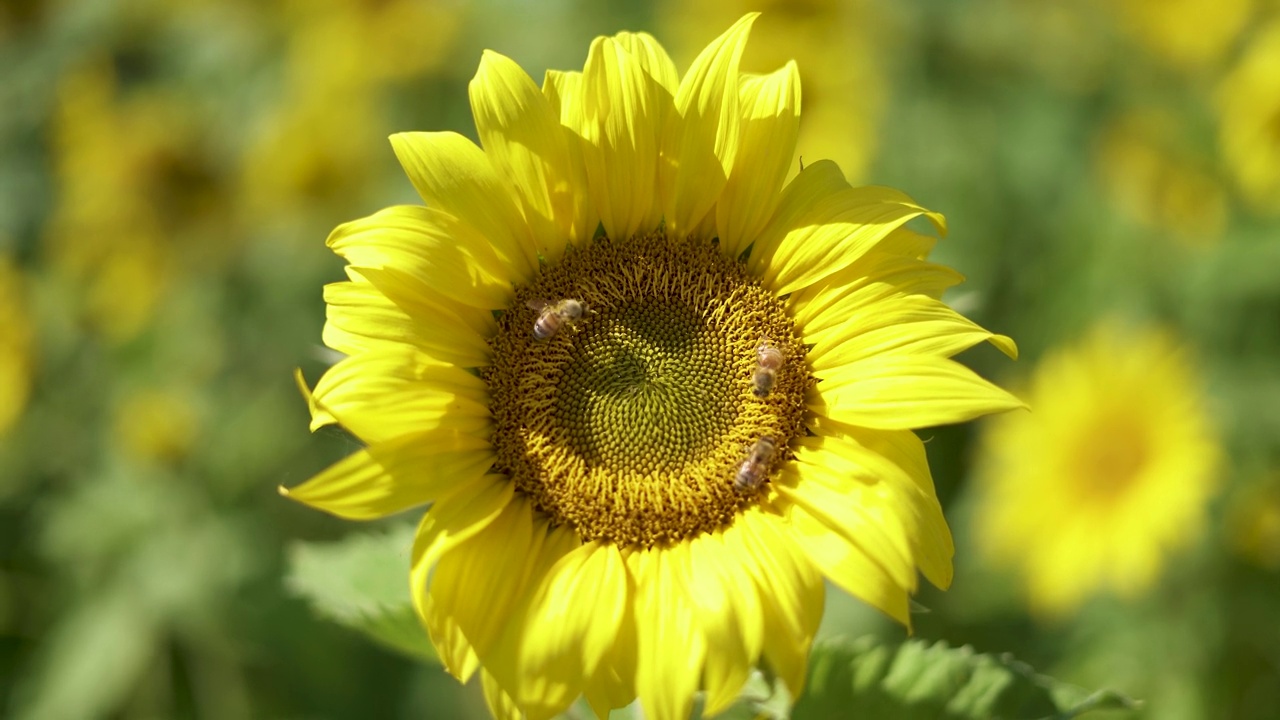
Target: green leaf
[914, 679]
[362, 582]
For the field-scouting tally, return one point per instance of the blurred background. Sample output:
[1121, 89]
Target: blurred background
[169, 172]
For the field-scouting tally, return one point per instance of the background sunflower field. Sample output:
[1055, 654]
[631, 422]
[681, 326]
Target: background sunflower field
[169, 171]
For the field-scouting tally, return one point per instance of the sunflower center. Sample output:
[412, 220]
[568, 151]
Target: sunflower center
[1114, 456]
[631, 417]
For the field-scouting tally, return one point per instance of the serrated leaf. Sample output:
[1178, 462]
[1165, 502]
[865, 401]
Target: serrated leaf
[914, 679]
[362, 582]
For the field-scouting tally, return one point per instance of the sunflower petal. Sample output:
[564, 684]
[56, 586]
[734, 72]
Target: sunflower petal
[893, 392]
[701, 138]
[878, 275]
[832, 233]
[670, 647]
[853, 506]
[620, 111]
[445, 253]
[446, 524]
[770, 109]
[446, 331]
[522, 135]
[848, 567]
[359, 318]
[790, 589]
[500, 704]
[725, 625]
[614, 684]
[572, 622]
[382, 395]
[931, 540]
[479, 583]
[911, 325]
[448, 170]
[387, 478]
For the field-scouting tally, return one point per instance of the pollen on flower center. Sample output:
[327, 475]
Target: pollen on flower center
[630, 423]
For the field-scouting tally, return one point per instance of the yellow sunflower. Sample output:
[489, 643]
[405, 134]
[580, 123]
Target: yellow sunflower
[1111, 471]
[652, 396]
[1249, 121]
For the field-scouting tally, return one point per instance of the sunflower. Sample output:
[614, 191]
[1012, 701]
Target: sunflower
[1111, 473]
[653, 396]
[1249, 121]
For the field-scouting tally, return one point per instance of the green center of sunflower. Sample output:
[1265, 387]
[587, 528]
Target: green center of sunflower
[632, 421]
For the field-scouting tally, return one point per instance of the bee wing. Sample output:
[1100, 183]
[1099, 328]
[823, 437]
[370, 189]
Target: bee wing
[536, 305]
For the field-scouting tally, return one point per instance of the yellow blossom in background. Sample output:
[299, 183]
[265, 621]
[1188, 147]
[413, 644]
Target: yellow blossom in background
[17, 345]
[1253, 523]
[321, 143]
[106, 236]
[835, 45]
[653, 394]
[1187, 34]
[1249, 121]
[1149, 176]
[1106, 476]
[155, 424]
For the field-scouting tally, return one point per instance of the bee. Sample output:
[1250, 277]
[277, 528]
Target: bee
[752, 471]
[769, 359]
[553, 316]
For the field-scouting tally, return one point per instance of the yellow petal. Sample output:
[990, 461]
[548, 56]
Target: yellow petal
[500, 704]
[910, 325]
[770, 109]
[701, 138]
[360, 318]
[387, 478]
[878, 275]
[381, 395]
[449, 522]
[893, 392]
[733, 625]
[450, 172]
[445, 253]
[670, 645]
[816, 183]
[319, 416]
[931, 542]
[571, 626]
[848, 567]
[790, 589]
[479, 583]
[614, 684]
[831, 233]
[844, 489]
[444, 330]
[620, 109]
[523, 138]
[563, 91]
[653, 59]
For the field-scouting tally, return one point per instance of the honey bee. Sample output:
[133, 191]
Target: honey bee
[553, 316]
[769, 359]
[752, 471]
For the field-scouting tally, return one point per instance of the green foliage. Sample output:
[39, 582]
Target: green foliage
[361, 582]
[869, 679]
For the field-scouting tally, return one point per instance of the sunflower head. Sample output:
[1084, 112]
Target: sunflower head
[1111, 473]
[653, 392]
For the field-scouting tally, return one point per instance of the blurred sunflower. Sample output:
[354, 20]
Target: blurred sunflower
[1249, 121]
[1187, 34]
[1150, 175]
[653, 396]
[16, 344]
[1110, 472]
